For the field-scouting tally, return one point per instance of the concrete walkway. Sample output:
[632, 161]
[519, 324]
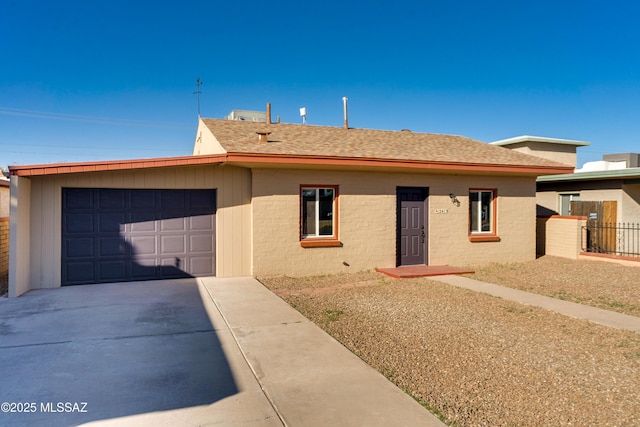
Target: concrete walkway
[579, 311]
[308, 378]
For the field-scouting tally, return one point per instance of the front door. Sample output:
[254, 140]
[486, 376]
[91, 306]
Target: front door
[412, 225]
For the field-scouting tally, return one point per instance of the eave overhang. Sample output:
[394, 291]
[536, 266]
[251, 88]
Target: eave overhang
[629, 173]
[280, 161]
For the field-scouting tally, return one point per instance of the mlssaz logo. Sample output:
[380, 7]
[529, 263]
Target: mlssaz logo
[63, 407]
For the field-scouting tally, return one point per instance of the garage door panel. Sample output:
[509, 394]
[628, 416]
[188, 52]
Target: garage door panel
[112, 270]
[199, 243]
[142, 222]
[111, 235]
[200, 265]
[144, 245]
[172, 200]
[111, 223]
[78, 223]
[80, 248]
[112, 199]
[173, 244]
[144, 199]
[201, 222]
[144, 269]
[112, 246]
[200, 200]
[173, 223]
[80, 272]
[79, 198]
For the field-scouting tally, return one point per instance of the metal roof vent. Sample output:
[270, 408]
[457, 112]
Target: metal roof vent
[263, 136]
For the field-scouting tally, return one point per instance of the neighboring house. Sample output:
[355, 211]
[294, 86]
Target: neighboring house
[4, 197]
[4, 229]
[616, 178]
[259, 199]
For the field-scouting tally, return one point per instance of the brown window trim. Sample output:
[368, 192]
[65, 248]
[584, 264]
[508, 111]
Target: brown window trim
[477, 237]
[322, 242]
[492, 236]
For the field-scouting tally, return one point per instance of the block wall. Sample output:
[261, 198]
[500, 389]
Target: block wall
[367, 221]
[560, 236]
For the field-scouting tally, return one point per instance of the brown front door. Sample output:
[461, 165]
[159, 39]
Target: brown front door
[412, 225]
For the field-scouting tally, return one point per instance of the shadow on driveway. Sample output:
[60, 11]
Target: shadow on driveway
[112, 350]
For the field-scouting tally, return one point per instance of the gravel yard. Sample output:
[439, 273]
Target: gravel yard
[477, 360]
[596, 283]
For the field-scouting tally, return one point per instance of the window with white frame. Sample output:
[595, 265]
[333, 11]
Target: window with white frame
[318, 212]
[565, 202]
[482, 211]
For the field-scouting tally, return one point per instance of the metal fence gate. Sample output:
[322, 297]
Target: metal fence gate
[622, 239]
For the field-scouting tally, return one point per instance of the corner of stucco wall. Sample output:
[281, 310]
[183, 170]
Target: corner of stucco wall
[19, 236]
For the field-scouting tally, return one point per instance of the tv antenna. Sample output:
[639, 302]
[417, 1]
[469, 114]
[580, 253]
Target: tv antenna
[303, 114]
[198, 92]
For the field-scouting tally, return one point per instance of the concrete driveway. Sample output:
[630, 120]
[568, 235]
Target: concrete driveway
[145, 354]
[77, 354]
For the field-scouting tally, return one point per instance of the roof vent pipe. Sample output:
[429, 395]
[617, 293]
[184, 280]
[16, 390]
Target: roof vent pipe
[346, 116]
[268, 113]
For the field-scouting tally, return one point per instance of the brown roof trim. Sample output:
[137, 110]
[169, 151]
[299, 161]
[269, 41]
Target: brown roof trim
[4, 183]
[259, 158]
[112, 165]
[405, 164]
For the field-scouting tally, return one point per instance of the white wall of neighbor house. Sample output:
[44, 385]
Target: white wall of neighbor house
[630, 204]
[43, 206]
[367, 220]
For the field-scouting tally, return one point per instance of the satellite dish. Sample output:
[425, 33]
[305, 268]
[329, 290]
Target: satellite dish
[303, 114]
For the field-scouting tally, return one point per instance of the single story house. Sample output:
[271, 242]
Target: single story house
[262, 198]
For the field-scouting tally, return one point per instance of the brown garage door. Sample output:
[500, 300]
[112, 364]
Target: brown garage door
[121, 235]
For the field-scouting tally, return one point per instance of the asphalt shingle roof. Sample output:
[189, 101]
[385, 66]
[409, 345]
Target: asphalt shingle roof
[326, 141]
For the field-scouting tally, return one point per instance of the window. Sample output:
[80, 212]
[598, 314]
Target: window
[482, 215]
[565, 202]
[318, 216]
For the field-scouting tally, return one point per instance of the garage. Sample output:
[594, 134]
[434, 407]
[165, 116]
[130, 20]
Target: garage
[121, 235]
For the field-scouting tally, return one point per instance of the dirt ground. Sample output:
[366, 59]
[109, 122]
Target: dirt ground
[477, 360]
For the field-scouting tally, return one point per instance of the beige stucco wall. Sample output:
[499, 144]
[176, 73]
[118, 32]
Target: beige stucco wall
[560, 236]
[367, 221]
[562, 153]
[627, 200]
[4, 200]
[548, 200]
[630, 204]
[20, 236]
[206, 142]
[233, 237]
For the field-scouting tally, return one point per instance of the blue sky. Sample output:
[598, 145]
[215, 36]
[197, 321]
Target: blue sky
[89, 80]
